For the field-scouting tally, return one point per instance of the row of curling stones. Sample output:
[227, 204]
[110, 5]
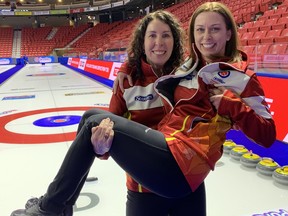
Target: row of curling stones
[266, 166]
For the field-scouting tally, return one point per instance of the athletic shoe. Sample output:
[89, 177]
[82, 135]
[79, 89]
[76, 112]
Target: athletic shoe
[33, 201]
[35, 210]
[32, 208]
[68, 211]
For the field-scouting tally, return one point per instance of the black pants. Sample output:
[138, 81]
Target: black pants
[143, 204]
[138, 150]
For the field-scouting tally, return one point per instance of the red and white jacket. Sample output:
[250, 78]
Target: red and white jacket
[139, 103]
[195, 131]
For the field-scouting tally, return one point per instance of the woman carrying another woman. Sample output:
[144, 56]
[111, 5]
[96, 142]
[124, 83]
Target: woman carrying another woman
[212, 92]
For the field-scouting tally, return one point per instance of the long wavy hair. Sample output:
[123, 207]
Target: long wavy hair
[231, 50]
[136, 47]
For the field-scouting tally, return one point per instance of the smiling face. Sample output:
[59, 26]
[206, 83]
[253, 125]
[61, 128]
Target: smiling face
[211, 35]
[158, 43]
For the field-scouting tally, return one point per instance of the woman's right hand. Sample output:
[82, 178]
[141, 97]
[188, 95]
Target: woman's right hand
[119, 82]
[102, 136]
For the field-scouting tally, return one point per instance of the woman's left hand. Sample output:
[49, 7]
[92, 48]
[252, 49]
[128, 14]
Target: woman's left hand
[119, 82]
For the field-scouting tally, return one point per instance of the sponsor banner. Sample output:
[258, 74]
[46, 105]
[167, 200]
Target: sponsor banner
[91, 9]
[277, 98]
[69, 61]
[104, 69]
[43, 59]
[114, 71]
[77, 10]
[103, 7]
[59, 12]
[116, 4]
[23, 13]
[74, 62]
[7, 13]
[5, 61]
[99, 68]
[18, 97]
[275, 58]
[82, 64]
[279, 212]
[41, 12]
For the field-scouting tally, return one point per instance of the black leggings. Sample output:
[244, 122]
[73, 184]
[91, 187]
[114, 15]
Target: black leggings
[137, 149]
[143, 204]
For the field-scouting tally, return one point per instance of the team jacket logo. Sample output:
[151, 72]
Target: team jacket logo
[221, 74]
[144, 98]
[224, 74]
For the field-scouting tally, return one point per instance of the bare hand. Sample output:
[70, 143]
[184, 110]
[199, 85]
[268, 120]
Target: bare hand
[216, 95]
[102, 136]
[119, 82]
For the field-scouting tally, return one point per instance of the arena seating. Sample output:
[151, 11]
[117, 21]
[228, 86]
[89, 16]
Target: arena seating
[247, 26]
[278, 49]
[6, 41]
[278, 13]
[257, 25]
[246, 36]
[268, 24]
[283, 37]
[249, 49]
[268, 14]
[35, 42]
[282, 23]
[270, 36]
[256, 39]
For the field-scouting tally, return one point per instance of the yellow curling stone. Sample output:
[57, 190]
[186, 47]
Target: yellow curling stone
[237, 152]
[280, 175]
[228, 146]
[250, 159]
[267, 166]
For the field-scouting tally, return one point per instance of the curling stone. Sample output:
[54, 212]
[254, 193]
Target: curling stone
[250, 160]
[228, 146]
[280, 175]
[237, 152]
[267, 166]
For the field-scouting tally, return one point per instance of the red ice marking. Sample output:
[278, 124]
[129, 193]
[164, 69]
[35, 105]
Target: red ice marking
[17, 138]
[60, 120]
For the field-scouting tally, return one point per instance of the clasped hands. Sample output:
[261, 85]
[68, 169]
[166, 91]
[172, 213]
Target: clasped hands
[102, 136]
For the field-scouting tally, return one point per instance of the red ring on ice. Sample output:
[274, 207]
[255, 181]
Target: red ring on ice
[16, 138]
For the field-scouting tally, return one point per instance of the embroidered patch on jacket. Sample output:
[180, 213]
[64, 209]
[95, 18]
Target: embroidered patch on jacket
[144, 98]
[224, 74]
